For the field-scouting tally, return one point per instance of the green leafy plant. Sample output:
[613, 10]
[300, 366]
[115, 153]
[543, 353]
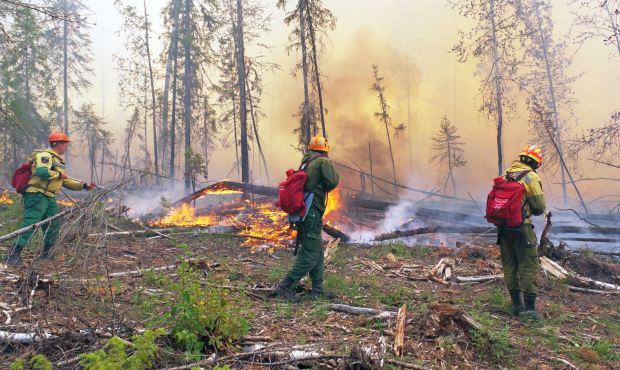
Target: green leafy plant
[114, 355]
[603, 348]
[199, 315]
[37, 362]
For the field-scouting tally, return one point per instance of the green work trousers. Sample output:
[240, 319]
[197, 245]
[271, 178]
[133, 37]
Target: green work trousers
[310, 254]
[38, 207]
[519, 254]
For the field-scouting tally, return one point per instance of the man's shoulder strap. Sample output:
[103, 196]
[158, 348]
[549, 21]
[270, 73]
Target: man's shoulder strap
[307, 161]
[519, 175]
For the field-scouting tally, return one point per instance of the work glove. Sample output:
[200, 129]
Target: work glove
[90, 186]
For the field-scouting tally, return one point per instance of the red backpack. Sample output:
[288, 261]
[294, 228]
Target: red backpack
[505, 201]
[291, 190]
[21, 177]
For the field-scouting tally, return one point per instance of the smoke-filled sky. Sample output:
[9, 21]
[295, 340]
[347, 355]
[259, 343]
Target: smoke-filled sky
[410, 40]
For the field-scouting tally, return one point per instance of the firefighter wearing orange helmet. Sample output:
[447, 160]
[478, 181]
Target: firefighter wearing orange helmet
[518, 246]
[322, 178]
[48, 177]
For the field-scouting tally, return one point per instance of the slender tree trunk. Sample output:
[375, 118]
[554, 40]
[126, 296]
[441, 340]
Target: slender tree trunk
[205, 127]
[101, 165]
[387, 134]
[187, 94]
[409, 134]
[115, 167]
[173, 118]
[307, 114]
[498, 90]
[372, 176]
[147, 156]
[65, 82]
[171, 54]
[245, 167]
[552, 103]
[317, 74]
[154, 106]
[254, 125]
[450, 175]
[238, 164]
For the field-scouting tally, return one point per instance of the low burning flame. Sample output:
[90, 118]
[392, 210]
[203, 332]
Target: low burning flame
[260, 221]
[5, 198]
[184, 216]
[66, 203]
[219, 189]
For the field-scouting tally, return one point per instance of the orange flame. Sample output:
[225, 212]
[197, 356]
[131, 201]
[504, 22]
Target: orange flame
[66, 203]
[334, 202]
[260, 221]
[5, 198]
[184, 216]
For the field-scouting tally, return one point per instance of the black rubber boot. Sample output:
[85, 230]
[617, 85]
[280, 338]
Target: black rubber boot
[15, 256]
[45, 254]
[285, 290]
[517, 303]
[317, 291]
[529, 308]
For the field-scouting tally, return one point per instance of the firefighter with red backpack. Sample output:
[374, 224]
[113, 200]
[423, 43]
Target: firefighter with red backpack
[514, 199]
[318, 176]
[39, 180]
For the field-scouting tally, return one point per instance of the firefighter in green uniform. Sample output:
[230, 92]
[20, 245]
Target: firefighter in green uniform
[48, 177]
[519, 252]
[322, 178]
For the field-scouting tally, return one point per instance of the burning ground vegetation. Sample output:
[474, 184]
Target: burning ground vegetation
[189, 286]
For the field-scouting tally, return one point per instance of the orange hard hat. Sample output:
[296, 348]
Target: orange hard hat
[58, 136]
[533, 152]
[319, 143]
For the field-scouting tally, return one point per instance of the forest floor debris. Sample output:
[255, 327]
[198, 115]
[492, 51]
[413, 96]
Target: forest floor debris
[447, 323]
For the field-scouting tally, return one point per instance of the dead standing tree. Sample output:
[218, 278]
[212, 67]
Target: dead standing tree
[546, 82]
[314, 21]
[70, 52]
[600, 20]
[91, 128]
[136, 71]
[384, 116]
[493, 41]
[448, 150]
[171, 16]
[241, 83]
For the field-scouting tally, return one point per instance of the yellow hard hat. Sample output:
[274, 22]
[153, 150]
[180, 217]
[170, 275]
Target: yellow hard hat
[318, 142]
[533, 152]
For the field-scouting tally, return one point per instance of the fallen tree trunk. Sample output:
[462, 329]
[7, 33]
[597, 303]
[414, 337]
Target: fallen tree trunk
[23, 338]
[573, 278]
[335, 233]
[195, 262]
[485, 230]
[229, 185]
[478, 279]
[433, 230]
[354, 310]
[34, 226]
[592, 291]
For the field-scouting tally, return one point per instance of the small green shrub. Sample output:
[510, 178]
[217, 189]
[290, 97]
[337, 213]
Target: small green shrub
[114, 355]
[197, 316]
[603, 348]
[495, 345]
[37, 362]
[19, 364]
